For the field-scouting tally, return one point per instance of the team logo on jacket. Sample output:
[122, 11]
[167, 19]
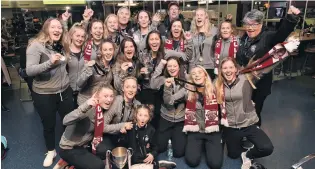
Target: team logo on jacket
[146, 138]
[253, 48]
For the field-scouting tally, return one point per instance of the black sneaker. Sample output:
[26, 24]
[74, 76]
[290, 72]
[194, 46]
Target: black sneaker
[246, 144]
[167, 164]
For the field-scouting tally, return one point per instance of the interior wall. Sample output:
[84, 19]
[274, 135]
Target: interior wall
[6, 13]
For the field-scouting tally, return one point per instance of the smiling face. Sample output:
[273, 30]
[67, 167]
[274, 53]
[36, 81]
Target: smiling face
[55, 30]
[129, 50]
[97, 30]
[198, 76]
[123, 16]
[226, 30]
[130, 89]
[173, 12]
[176, 30]
[253, 28]
[172, 68]
[143, 117]
[106, 98]
[229, 70]
[78, 37]
[200, 18]
[154, 42]
[107, 51]
[143, 19]
[112, 24]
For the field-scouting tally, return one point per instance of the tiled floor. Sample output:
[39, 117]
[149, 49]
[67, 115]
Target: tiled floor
[288, 119]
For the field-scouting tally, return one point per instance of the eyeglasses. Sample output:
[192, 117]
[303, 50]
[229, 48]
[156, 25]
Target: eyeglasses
[254, 26]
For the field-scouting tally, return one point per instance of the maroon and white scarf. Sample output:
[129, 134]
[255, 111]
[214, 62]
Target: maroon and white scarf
[217, 52]
[211, 115]
[169, 45]
[256, 69]
[98, 128]
[88, 50]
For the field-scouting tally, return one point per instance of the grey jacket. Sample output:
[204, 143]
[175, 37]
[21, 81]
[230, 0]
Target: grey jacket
[90, 78]
[238, 103]
[113, 120]
[80, 127]
[140, 39]
[171, 98]
[48, 78]
[224, 49]
[206, 48]
[75, 65]
[170, 111]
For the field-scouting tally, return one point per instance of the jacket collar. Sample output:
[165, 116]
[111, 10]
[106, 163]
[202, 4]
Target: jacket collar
[234, 83]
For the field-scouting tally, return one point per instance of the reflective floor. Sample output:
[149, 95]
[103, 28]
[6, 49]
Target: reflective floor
[288, 119]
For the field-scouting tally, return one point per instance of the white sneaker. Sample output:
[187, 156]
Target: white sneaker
[246, 161]
[50, 155]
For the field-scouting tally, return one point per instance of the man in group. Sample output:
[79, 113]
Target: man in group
[173, 13]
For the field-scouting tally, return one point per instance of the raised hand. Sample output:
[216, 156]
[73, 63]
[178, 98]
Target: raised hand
[88, 13]
[169, 81]
[66, 15]
[294, 10]
[163, 61]
[187, 35]
[156, 17]
[229, 17]
[93, 101]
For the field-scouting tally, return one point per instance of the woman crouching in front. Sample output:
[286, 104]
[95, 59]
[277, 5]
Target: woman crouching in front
[80, 128]
[239, 117]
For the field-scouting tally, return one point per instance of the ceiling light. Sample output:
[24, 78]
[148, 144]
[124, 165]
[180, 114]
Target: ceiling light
[204, 1]
[128, 3]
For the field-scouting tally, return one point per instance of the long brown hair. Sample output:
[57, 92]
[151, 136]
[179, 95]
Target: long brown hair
[43, 36]
[233, 27]
[91, 25]
[106, 32]
[208, 25]
[99, 52]
[220, 79]
[209, 89]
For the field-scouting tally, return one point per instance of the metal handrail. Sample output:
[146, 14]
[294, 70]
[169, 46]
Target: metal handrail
[302, 161]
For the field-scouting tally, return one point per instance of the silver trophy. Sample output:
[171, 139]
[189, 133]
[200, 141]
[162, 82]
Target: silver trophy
[118, 157]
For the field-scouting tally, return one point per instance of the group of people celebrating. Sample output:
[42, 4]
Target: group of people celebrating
[154, 82]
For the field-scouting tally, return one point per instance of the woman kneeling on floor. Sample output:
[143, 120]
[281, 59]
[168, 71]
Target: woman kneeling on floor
[78, 135]
[201, 119]
[239, 117]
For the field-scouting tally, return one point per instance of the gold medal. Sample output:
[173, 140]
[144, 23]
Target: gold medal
[201, 59]
[91, 63]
